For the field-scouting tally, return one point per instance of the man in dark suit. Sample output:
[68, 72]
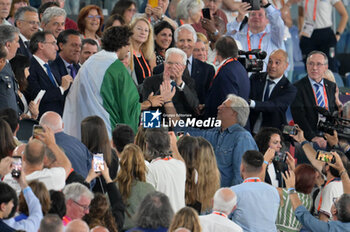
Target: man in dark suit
[185, 99]
[185, 38]
[231, 77]
[27, 21]
[43, 47]
[271, 94]
[66, 62]
[313, 90]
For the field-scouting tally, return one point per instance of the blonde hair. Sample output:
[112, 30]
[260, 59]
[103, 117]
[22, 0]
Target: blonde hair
[147, 48]
[187, 218]
[132, 167]
[208, 174]
[328, 74]
[202, 37]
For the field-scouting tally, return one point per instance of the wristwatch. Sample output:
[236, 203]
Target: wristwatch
[337, 33]
[291, 191]
[267, 5]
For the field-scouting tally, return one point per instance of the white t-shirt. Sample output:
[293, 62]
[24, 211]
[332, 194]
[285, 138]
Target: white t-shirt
[53, 178]
[332, 191]
[323, 12]
[217, 223]
[169, 177]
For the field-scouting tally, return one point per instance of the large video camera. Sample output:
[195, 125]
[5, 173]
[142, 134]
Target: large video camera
[333, 122]
[250, 64]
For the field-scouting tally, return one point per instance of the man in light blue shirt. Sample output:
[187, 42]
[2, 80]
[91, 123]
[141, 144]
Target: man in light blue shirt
[264, 30]
[230, 140]
[258, 202]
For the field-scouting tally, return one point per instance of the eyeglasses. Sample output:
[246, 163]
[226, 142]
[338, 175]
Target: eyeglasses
[82, 206]
[52, 43]
[32, 22]
[318, 64]
[94, 16]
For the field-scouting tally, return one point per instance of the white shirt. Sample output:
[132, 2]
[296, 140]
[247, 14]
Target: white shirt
[53, 178]
[218, 223]
[169, 177]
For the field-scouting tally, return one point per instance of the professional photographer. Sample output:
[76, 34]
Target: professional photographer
[258, 33]
[270, 94]
[333, 187]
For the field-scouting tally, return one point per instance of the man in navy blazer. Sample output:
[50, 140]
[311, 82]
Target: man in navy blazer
[303, 108]
[43, 47]
[185, 38]
[66, 62]
[231, 77]
[271, 111]
[27, 21]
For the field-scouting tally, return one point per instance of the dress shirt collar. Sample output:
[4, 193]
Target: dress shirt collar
[259, 34]
[190, 60]
[24, 39]
[232, 128]
[40, 61]
[275, 81]
[312, 82]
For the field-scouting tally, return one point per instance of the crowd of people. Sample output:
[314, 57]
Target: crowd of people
[78, 151]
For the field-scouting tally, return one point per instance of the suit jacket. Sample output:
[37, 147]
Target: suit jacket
[303, 107]
[53, 99]
[274, 109]
[58, 67]
[231, 79]
[23, 50]
[185, 101]
[201, 72]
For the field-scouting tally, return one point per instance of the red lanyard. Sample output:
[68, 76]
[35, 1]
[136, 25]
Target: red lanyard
[165, 159]
[226, 62]
[219, 213]
[331, 180]
[249, 44]
[325, 97]
[257, 179]
[315, 7]
[143, 71]
[181, 22]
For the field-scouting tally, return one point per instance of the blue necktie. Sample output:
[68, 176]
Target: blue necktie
[73, 72]
[319, 96]
[173, 84]
[49, 73]
[267, 90]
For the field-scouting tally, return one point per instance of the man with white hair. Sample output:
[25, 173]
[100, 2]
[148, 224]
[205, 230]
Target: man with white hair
[185, 39]
[229, 141]
[78, 198]
[185, 99]
[5, 6]
[224, 204]
[53, 20]
[76, 151]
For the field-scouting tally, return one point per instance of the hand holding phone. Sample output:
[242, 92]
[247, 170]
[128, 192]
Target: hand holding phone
[16, 166]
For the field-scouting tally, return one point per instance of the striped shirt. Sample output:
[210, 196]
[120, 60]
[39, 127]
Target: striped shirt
[286, 220]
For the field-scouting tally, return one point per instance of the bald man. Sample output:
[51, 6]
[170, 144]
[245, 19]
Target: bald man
[224, 204]
[271, 94]
[78, 154]
[77, 225]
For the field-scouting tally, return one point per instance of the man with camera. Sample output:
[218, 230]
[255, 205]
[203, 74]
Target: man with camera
[271, 94]
[264, 30]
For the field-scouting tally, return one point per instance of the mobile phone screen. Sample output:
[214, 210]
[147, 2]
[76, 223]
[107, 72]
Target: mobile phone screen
[37, 129]
[16, 166]
[98, 162]
[153, 3]
[325, 157]
[206, 13]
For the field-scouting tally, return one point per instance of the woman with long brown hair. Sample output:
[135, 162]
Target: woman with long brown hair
[131, 181]
[95, 137]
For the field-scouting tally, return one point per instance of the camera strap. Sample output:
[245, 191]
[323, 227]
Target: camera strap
[249, 44]
[315, 8]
